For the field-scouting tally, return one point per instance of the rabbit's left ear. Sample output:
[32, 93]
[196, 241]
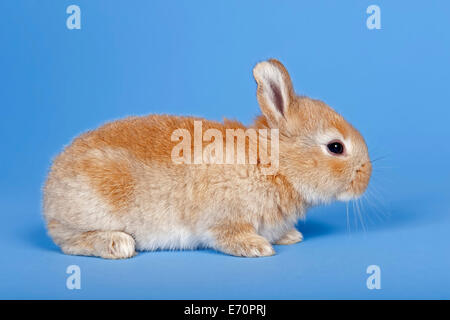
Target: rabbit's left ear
[275, 91]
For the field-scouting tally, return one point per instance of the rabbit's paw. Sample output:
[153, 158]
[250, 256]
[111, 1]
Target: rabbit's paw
[241, 240]
[119, 246]
[105, 244]
[252, 246]
[290, 237]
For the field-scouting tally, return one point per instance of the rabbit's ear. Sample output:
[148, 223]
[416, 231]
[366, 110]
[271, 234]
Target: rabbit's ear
[275, 90]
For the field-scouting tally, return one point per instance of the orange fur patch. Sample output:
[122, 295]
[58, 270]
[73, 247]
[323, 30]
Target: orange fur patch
[112, 179]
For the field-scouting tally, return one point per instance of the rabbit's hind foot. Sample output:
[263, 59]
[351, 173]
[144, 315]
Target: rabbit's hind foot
[104, 244]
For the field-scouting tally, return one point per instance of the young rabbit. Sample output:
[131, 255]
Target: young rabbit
[117, 189]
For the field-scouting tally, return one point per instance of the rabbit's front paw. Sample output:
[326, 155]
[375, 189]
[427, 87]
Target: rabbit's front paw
[290, 237]
[253, 246]
[242, 240]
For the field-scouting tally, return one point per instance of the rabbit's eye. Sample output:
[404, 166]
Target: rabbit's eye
[335, 147]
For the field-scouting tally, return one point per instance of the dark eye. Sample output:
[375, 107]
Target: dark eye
[336, 147]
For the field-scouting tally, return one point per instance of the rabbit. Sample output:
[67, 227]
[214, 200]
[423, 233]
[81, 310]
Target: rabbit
[116, 190]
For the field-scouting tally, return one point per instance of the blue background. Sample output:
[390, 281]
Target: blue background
[195, 58]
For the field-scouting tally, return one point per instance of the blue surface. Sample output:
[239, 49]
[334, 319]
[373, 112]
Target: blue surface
[196, 57]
